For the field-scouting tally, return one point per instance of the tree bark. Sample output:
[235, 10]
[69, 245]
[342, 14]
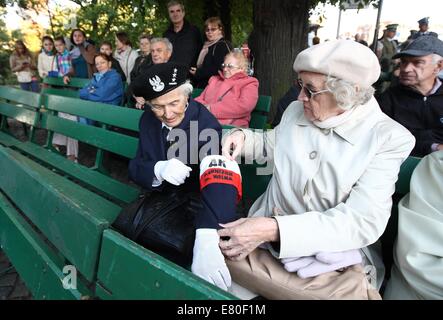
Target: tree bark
[279, 34]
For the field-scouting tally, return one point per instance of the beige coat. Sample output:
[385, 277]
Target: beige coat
[418, 252]
[334, 186]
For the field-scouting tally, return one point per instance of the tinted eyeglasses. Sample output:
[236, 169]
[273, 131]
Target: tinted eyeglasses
[211, 29]
[229, 66]
[309, 93]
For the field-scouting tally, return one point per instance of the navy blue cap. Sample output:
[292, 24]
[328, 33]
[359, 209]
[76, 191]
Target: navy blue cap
[424, 20]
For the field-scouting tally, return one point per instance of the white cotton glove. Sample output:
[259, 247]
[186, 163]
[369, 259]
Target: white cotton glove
[174, 171]
[322, 262]
[208, 261]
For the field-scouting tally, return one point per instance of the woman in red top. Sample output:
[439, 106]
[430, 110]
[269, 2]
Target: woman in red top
[232, 95]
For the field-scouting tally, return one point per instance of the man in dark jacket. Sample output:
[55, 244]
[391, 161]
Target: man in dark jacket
[185, 38]
[417, 102]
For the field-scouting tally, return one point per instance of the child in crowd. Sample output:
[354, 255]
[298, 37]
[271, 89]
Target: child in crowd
[46, 64]
[64, 66]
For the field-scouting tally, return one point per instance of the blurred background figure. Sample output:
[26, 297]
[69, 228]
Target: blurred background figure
[423, 26]
[22, 63]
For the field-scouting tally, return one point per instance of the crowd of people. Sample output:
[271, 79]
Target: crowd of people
[336, 148]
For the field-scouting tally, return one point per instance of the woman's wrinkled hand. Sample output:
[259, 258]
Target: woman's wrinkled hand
[234, 141]
[245, 235]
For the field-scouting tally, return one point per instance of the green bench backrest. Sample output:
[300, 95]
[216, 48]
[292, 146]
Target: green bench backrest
[61, 92]
[259, 116]
[74, 83]
[101, 138]
[70, 217]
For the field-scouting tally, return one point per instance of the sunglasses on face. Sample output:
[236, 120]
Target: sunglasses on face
[309, 93]
[211, 29]
[230, 66]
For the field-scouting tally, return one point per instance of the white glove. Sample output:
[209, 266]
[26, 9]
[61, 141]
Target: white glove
[322, 262]
[174, 171]
[208, 261]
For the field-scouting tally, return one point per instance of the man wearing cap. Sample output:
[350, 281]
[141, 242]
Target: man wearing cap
[423, 26]
[417, 101]
[386, 48]
[335, 158]
[179, 149]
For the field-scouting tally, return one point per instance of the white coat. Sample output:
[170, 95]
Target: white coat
[417, 272]
[333, 186]
[45, 64]
[126, 59]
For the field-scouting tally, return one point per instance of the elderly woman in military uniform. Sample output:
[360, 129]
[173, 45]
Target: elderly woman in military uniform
[178, 136]
[335, 158]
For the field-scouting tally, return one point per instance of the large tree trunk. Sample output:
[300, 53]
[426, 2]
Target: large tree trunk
[280, 33]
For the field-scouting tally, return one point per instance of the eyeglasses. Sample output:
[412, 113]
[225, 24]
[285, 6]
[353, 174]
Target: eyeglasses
[309, 93]
[229, 66]
[211, 29]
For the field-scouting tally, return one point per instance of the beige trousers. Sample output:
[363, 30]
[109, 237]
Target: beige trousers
[263, 274]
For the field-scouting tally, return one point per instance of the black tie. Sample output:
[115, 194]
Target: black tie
[165, 132]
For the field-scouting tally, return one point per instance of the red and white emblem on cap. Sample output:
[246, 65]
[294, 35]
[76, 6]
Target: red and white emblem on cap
[219, 169]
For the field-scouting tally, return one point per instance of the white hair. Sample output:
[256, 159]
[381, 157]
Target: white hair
[347, 94]
[436, 58]
[186, 88]
[166, 42]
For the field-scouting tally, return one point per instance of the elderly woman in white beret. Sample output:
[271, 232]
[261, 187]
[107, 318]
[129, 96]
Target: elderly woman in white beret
[335, 159]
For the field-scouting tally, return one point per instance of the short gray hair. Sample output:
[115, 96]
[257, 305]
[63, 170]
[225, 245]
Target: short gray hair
[347, 94]
[166, 41]
[186, 88]
[436, 58]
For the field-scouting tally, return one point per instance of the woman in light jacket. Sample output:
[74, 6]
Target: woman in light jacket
[124, 54]
[47, 61]
[23, 64]
[334, 159]
[232, 94]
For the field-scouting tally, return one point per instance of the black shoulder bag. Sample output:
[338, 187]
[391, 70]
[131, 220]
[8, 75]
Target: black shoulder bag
[162, 222]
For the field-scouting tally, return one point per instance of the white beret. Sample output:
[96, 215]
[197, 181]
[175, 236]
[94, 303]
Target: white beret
[344, 59]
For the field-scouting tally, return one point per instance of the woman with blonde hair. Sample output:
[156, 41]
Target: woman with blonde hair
[22, 63]
[212, 54]
[232, 94]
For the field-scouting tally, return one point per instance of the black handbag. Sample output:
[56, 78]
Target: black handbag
[162, 222]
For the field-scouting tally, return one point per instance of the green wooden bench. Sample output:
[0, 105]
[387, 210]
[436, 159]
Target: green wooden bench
[76, 83]
[56, 212]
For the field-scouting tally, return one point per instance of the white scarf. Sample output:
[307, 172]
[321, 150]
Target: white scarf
[335, 121]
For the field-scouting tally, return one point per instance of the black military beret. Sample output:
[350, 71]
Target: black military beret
[159, 79]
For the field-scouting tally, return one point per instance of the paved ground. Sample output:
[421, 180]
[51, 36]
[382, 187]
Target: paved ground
[11, 286]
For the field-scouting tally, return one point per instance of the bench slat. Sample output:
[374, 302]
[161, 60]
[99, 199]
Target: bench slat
[61, 92]
[39, 267]
[72, 218]
[120, 117]
[74, 83]
[94, 179]
[101, 138]
[150, 276]
[28, 98]
[19, 113]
